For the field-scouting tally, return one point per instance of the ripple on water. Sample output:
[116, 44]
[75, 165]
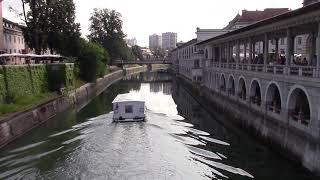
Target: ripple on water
[216, 141]
[30, 158]
[203, 153]
[198, 132]
[61, 133]
[190, 141]
[24, 148]
[225, 167]
[12, 172]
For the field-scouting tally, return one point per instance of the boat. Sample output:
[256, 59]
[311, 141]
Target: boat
[128, 108]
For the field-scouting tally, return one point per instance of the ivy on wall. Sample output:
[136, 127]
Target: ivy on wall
[2, 86]
[19, 81]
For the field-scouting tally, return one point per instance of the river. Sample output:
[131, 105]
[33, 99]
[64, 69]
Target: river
[179, 141]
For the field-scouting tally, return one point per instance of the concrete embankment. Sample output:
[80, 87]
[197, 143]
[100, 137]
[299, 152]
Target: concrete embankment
[289, 142]
[17, 124]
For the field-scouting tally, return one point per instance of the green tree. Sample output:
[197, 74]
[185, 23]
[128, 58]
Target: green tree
[159, 53]
[106, 29]
[51, 24]
[137, 52]
[92, 60]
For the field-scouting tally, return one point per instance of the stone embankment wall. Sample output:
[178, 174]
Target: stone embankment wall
[290, 142]
[17, 124]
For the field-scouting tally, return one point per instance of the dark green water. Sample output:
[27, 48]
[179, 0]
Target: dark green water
[178, 141]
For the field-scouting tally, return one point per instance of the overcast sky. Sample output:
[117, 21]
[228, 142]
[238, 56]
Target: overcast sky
[142, 18]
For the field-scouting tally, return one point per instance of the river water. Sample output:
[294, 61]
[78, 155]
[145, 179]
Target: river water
[179, 141]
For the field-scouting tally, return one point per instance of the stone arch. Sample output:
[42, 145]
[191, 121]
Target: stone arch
[222, 83]
[273, 97]
[299, 106]
[231, 85]
[242, 90]
[255, 92]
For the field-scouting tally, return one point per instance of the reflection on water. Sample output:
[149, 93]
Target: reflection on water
[179, 140]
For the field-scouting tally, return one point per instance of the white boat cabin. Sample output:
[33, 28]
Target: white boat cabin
[127, 107]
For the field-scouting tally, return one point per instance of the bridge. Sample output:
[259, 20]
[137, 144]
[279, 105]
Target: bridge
[144, 62]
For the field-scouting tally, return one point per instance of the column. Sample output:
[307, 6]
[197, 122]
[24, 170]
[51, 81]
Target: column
[228, 52]
[245, 53]
[277, 48]
[220, 53]
[250, 50]
[265, 49]
[289, 47]
[318, 51]
[238, 51]
[213, 55]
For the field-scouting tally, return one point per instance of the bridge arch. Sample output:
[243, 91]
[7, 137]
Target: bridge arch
[273, 97]
[231, 85]
[242, 89]
[223, 82]
[255, 92]
[299, 105]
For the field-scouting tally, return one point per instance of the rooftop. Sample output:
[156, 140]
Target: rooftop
[127, 98]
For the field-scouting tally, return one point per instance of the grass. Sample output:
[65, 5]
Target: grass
[22, 103]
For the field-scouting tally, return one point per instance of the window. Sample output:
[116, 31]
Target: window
[299, 40]
[282, 41]
[142, 110]
[9, 38]
[128, 109]
[14, 39]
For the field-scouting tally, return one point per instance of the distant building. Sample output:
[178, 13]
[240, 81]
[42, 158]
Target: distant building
[131, 42]
[250, 17]
[169, 40]
[13, 37]
[180, 43]
[307, 2]
[146, 53]
[155, 41]
[1, 30]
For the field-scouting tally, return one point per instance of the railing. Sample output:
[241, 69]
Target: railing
[255, 100]
[271, 106]
[299, 117]
[292, 70]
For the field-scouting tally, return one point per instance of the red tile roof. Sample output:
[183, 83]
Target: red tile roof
[254, 16]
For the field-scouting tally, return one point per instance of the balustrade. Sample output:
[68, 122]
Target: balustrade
[292, 70]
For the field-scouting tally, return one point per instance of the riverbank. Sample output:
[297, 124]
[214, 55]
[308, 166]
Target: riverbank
[289, 142]
[17, 124]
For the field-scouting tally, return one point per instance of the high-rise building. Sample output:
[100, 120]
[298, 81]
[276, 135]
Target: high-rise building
[131, 42]
[169, 40]
[155, 41]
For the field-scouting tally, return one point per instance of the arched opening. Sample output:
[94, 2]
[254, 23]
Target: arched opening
[242, 89]
[273, 99]
[223, 83]
[299, 107]
[255, 93]
[231, 86]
